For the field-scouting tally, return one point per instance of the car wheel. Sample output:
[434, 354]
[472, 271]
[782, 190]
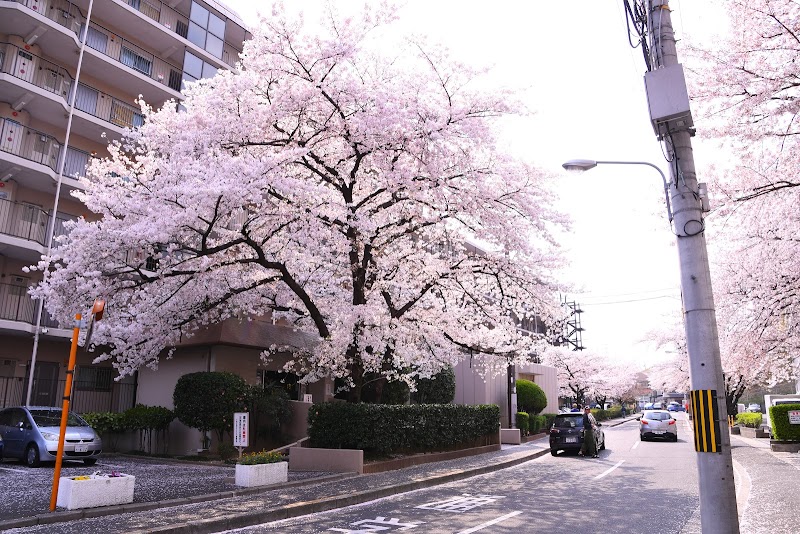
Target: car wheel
[641, 437]
[603, 445]
[553, 451]
[90, 461]
[32, 456]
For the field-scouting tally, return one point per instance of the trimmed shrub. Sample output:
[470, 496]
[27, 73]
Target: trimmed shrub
[751, 420]
[269, 409]
[549, 418]
[538, 423]
[779, 419]
[208, 400]
[382, 428]
[108, 425]
[439, 389]
[530, 397]
[148, 420]
[523, 423]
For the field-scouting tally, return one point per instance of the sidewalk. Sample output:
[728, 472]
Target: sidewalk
[213, 513]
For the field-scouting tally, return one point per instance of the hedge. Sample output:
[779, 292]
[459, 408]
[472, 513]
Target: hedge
[382, 428]
[752, 420]
[611, 413]
[779, 419]
[538, 423]
[549, 418]
[523, 423]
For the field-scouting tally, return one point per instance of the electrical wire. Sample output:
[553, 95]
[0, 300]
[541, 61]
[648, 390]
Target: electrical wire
[585, 304]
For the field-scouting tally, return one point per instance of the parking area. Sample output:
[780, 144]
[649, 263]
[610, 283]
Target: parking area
[25, 492]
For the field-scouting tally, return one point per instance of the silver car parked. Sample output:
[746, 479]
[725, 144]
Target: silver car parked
[657, 424]
[30, 434]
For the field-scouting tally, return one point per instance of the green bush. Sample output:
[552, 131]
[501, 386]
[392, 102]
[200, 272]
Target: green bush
[752, 420]
[549, 418]
[530, 397]
[779, 419]
[105, 422]
[269, 409]
[207, 400]
[523, 423]
[226, 451]
[384, 428]
[263, 457]
[538, 423]
[439, 389]
[151, 422]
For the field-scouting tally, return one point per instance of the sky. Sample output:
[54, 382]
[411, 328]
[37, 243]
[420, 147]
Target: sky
[575, 69]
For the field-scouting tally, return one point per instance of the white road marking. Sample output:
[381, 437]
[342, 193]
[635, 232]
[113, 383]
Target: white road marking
[489, 523]
[607, 471]
[635, 445]
[17, 470]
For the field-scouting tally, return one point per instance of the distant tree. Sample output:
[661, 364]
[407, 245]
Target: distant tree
[207, 400]
[531, 398]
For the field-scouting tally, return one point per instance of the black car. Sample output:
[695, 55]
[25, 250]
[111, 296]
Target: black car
[566, 434]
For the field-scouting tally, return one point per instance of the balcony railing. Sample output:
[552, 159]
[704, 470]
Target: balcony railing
[61, 12]
[177, 23]
[17, 305]
[87, 395]
[40, 147]
[28, 143]
[106, 42]
[112, 45]
[29, 222]
[35, 70]
[53, 78]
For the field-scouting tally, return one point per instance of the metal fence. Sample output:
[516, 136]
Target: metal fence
[86, 397]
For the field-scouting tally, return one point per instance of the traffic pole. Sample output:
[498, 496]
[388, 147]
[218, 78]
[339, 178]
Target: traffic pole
[73, 351]
[718, 512]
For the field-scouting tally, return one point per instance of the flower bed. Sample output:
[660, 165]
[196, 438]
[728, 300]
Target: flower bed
[261, 469]
[91, 491]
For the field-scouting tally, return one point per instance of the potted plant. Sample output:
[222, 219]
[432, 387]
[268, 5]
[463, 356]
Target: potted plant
[91, 491]
[261, 469]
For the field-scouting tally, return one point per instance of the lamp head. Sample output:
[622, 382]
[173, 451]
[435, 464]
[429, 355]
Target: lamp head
[579, 165]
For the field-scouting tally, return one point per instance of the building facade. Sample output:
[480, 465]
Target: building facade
[70, 76]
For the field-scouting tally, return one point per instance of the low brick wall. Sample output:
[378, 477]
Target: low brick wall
[784, 446]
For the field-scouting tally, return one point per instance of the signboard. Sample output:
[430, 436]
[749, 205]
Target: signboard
[794, 417]
[241, 432]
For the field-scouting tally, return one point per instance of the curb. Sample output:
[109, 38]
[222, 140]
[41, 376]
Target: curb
[230, 522]
[73, 515]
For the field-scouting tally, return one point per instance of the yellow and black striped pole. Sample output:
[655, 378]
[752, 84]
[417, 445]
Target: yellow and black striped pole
[705, 415]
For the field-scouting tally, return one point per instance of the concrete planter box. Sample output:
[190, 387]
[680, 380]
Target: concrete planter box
[95, 491]
[330, 460]
[749, 432]
[510, 436]
[784, 446]
[736, 430]
[261, 474]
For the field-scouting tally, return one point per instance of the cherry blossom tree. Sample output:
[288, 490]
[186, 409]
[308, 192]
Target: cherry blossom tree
[334, 182]
[577, 372]
[744, 87]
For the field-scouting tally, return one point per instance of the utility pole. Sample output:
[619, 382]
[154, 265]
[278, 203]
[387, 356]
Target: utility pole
[665, 88]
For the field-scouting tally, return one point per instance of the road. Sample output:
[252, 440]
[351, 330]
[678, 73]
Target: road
[633, 487]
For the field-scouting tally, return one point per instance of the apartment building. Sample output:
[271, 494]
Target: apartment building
[70, 73]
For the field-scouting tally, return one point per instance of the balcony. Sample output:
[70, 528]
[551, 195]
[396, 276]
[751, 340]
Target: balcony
[16, 305]
[132, 56]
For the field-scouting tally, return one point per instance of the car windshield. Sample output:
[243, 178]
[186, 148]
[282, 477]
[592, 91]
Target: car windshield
[53, 418]
[657, 416]
[570, 421]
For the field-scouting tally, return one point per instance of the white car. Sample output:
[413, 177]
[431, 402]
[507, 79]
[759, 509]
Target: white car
[657, 424]
[754, 407]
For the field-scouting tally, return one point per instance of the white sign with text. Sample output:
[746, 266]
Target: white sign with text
[241, 432]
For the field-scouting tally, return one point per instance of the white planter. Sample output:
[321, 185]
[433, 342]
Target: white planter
[94, 492]
[261, 474]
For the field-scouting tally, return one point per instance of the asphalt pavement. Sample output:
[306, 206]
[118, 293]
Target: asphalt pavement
[202, 498]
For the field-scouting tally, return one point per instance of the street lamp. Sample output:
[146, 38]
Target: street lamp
[718, 512]
[581, 165]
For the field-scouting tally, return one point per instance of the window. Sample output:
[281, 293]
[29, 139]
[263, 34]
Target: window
[279, 379]
[135, 61]
[569, 421]
[206, 30]
[195, 68]
[90, 378]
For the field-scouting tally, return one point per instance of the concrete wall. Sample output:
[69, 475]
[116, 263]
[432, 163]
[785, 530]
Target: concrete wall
[472, 388]
[546, 378]
[156, 388]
